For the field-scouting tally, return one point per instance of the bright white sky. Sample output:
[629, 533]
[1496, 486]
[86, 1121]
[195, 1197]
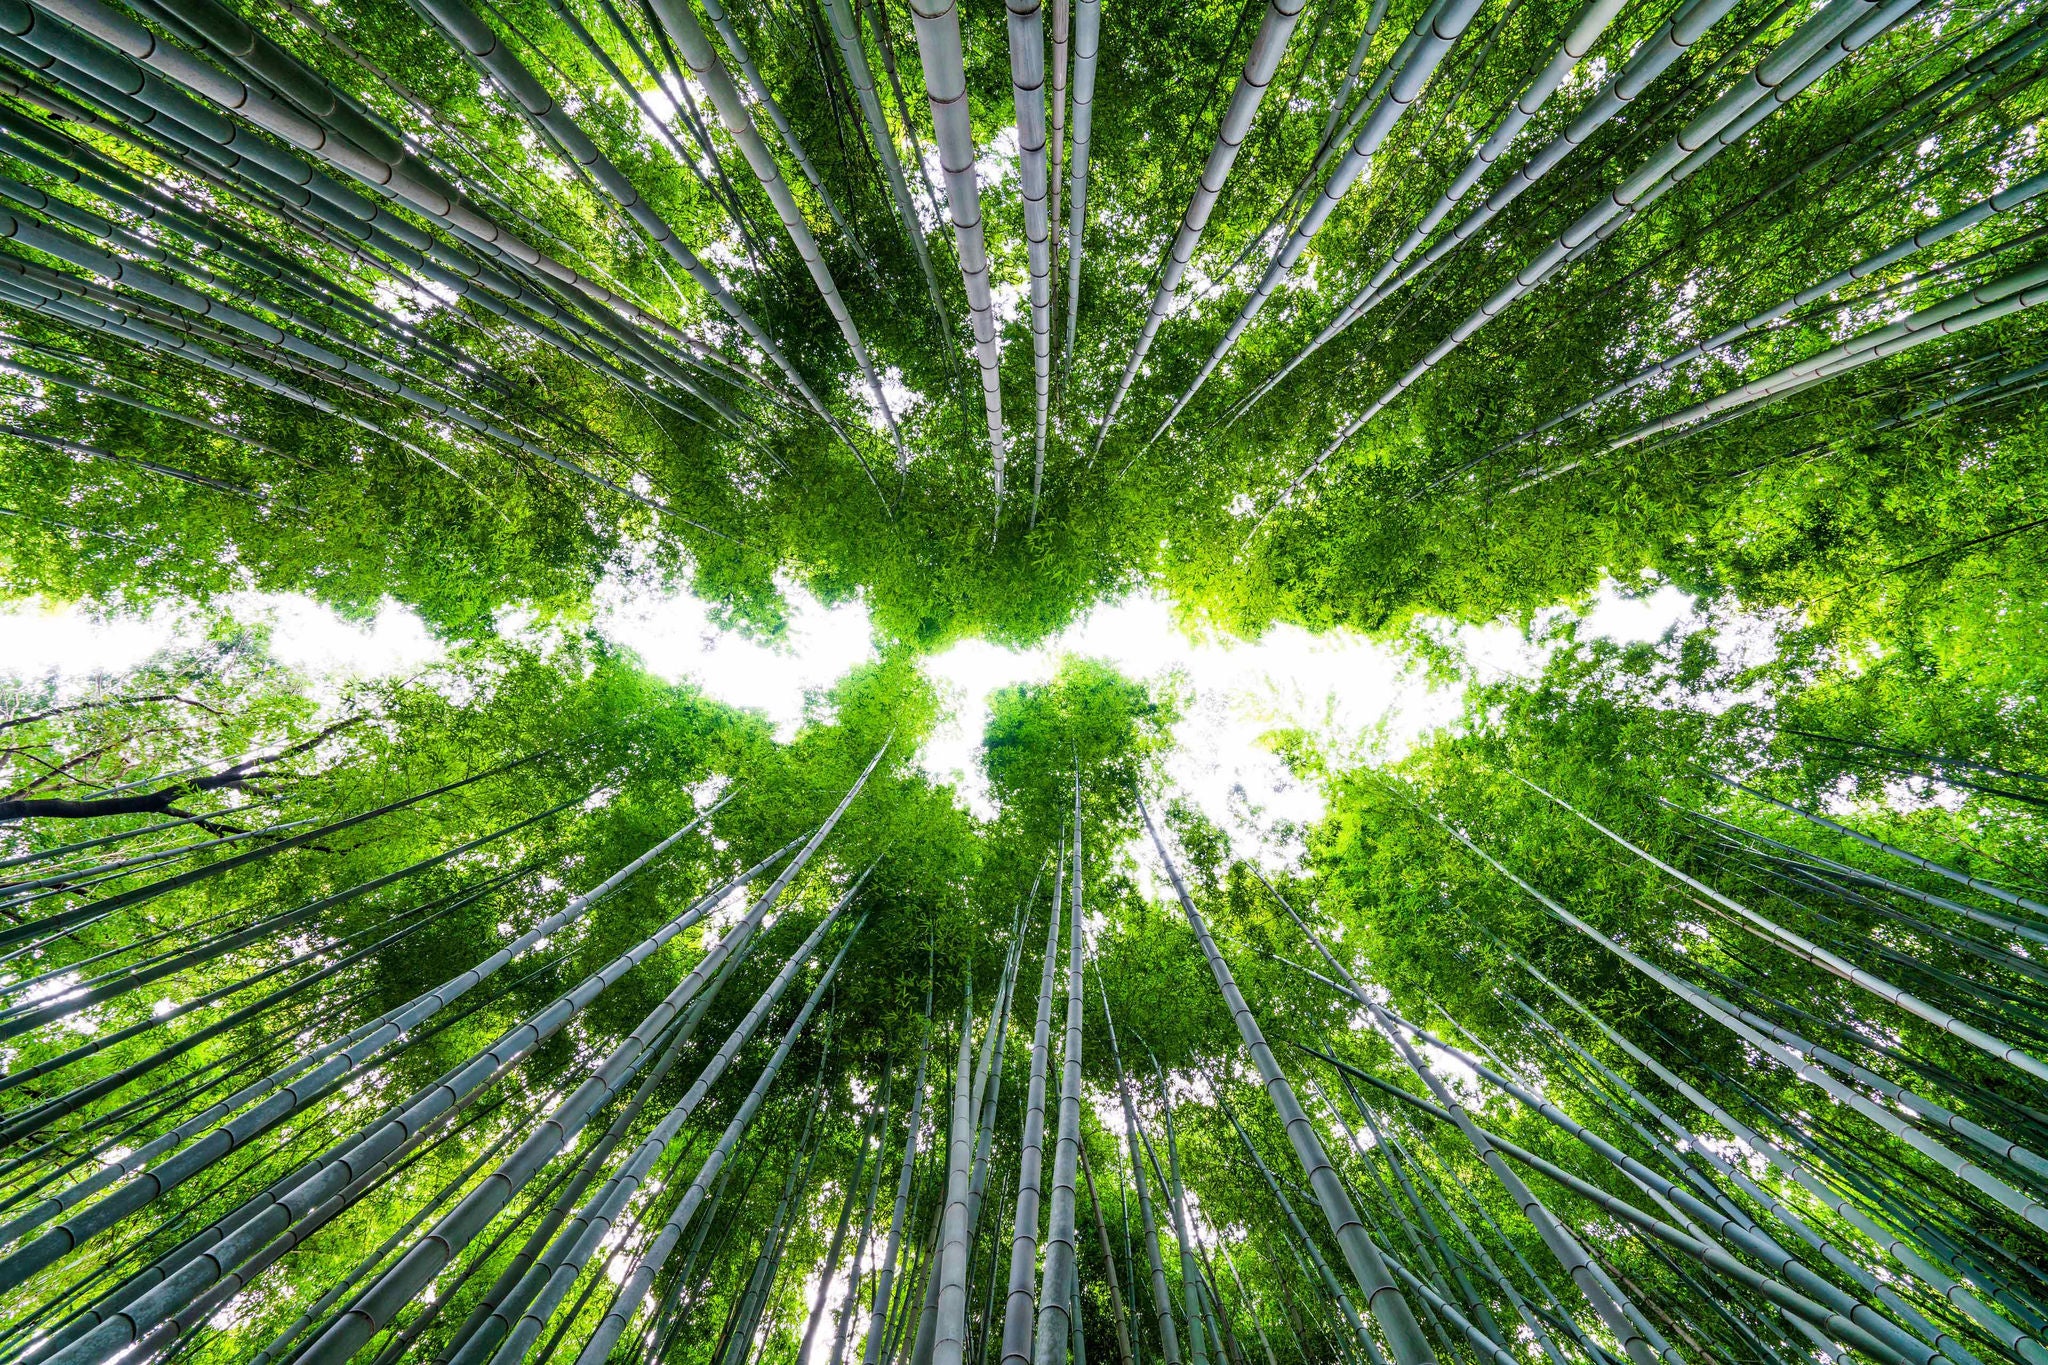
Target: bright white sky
[71, 642]
[1359, 696]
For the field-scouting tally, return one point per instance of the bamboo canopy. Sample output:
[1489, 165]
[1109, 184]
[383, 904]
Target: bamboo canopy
[1682, 1003]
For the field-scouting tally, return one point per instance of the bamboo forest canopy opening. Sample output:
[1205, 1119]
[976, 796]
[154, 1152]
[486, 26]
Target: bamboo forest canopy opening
[1680, 1003]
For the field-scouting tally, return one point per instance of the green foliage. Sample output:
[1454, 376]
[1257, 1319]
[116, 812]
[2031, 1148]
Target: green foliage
[1889, 500]
[222, 377]
[1627, 734]
[1089, 719]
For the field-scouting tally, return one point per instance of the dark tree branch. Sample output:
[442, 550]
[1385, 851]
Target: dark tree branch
[107, 703]
[237, 776]
[55, 769]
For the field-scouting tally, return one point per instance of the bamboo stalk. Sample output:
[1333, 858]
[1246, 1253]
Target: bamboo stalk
[651, 1260]
[146, 1299]
[1383, 1298]
[949, 1330]
[885, 1281]
[99, 21]
[1058, 1282]
[1027, 90]
[1193, 1316]
[1162, 1300]
[1260, 63]
[1116, 1298]
[289, 1087]
[1397, 91]
[838, 1243]
[847, 33]
[1019, 1313]
[1586, 30]
[1963, 1170]
[758, 90]
[945, 82]
[1087, 47]
[1823, 41]
[1809, 951]
[516, 1315]
[682, 27]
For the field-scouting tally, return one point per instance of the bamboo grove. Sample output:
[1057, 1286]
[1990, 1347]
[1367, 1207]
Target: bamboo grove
[445, 1032]
[985, 313]
[1679, 1003]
